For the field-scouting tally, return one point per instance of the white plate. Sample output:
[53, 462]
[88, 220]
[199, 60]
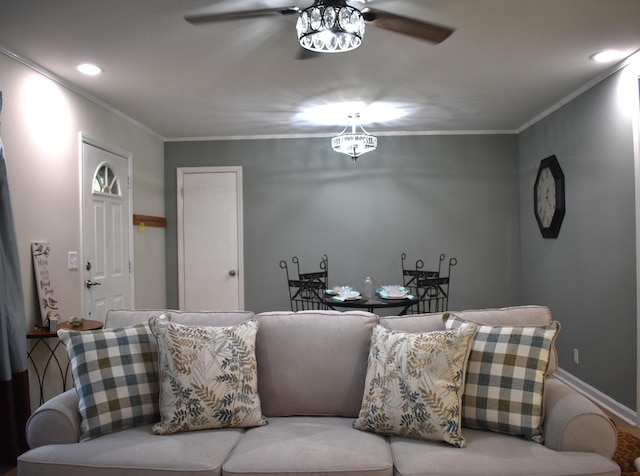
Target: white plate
[394, 297]
[337, 289]
[350, 298]
[393, 287]
[395, 290]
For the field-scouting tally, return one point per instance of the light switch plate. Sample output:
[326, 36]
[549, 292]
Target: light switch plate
[73, 260]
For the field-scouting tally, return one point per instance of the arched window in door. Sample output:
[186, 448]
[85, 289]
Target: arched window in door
[106, 181]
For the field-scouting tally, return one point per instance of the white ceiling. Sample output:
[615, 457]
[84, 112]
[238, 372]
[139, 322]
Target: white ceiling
[507, 62]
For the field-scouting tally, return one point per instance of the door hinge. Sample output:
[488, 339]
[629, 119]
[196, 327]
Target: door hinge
[130, 267]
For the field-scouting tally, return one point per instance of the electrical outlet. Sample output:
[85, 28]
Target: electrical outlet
[73, 260]
[576, 356]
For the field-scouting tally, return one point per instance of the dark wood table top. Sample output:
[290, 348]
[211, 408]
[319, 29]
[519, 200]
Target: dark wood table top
[87, 325]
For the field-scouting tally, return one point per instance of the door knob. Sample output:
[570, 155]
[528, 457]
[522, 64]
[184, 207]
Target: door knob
[90, 283]
[232, 272]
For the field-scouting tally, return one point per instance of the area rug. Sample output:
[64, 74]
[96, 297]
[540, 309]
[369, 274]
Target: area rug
[627, 451]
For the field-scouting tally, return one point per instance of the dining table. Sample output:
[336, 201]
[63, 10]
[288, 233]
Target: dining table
[371, 303]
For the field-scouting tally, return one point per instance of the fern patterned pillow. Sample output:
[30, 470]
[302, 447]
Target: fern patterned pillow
[208, 376]
[414, 384]
[505, 377]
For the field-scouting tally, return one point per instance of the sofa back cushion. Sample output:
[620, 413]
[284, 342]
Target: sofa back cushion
[125, 317]
[508, 316]
[313, 362]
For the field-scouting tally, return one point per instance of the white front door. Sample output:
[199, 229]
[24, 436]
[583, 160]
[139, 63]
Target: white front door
[106, 231]
[210, 262]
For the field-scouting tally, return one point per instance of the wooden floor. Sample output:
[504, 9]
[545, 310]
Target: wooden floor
[8, 471]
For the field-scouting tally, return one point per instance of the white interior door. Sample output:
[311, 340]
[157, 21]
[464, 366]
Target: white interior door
[106, 231]
[210, 262]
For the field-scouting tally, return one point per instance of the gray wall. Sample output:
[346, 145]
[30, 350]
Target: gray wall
[468, 196]
[587, 275]
[426, 195]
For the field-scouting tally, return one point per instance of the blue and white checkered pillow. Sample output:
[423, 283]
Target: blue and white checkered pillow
[505, 377]
[115, 372]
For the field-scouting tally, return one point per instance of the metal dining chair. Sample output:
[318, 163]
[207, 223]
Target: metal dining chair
[306, 292]
[412, 277]
[431, 289]
[436, 291]
[321, 276]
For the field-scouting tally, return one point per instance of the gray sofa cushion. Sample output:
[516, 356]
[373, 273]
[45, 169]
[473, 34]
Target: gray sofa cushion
[310, 445]
[136, 451]
[125, 317]
[480, 458]
[316, 367]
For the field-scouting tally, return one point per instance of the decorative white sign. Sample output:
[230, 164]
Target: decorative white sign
[48, 303]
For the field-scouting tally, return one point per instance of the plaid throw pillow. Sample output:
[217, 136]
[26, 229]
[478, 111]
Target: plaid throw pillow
[115, 373]
[505, 377]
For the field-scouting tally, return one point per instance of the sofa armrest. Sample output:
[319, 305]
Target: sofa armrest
[57, 421]
[574, 423]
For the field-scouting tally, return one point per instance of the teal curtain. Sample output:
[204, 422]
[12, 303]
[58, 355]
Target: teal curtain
[14, 379]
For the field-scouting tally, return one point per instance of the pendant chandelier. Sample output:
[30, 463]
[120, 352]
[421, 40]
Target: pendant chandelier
[330, 26]
[353, 143]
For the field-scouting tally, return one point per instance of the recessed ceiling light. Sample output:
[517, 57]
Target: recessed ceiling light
[89, 69]
[608, 56]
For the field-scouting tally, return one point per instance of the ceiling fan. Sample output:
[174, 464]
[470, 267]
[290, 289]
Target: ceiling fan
[335, 13]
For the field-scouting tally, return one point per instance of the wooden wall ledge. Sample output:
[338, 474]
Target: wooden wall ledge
[148, 220]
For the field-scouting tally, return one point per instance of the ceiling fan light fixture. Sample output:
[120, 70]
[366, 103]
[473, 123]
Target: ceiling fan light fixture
[354, 143]
[330, 26]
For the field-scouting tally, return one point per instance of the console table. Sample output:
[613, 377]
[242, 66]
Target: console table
[42, 336]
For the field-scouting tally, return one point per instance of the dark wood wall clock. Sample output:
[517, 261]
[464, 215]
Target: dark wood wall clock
[548, 197]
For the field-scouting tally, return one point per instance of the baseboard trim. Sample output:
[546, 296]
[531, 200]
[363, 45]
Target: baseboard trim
[601, 399]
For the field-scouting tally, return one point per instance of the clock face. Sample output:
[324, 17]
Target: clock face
[546, 197]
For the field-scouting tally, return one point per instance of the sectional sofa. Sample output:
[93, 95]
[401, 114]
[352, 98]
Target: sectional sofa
[319, 393]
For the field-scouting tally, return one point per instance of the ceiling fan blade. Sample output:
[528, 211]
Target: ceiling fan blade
[239, 15]
[407, 26]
